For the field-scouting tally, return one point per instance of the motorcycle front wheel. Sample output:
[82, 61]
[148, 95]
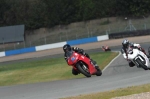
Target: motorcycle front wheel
[141, 64]
[83, 71]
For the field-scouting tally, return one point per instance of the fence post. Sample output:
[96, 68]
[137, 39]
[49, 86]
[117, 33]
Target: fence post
[66, 36]
[24, 44]
[45, 40]
[30, 44]
[91, 33]
[88, 31]
[14, 46]
[3, 44]
[145, 23]
[76, 36]
[60, 38]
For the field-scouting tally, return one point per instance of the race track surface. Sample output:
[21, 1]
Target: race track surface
[117, 75]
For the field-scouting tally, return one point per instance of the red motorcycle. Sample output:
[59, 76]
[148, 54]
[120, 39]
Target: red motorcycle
[106, 48]
[82, 64]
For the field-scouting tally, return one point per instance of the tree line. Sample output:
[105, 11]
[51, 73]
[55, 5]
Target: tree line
[48, 13]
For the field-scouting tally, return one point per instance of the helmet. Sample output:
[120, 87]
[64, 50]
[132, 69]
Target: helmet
[125, 43]
[66, 47]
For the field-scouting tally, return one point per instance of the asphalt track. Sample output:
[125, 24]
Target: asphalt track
[117, 75]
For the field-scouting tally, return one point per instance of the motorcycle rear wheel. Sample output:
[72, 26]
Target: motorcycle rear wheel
[85, 73]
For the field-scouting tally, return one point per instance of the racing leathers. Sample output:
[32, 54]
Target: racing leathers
[81, 51]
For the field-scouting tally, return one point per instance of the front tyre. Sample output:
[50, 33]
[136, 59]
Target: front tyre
[141, 64]
[84, 72]
[99, 72]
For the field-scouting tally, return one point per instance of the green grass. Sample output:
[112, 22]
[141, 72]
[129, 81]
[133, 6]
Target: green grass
[45, 70]
[114, 93]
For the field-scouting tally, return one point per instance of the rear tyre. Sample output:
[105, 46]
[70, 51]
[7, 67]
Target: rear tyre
[141, 64]
[85, 73]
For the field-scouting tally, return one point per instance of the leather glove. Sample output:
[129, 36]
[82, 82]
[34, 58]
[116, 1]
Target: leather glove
[81, 51]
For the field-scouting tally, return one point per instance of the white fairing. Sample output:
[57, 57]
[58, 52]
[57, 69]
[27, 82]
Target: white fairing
[138, 45]
[135, 54]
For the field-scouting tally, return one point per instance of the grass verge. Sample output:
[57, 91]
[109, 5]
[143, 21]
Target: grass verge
[45, 70]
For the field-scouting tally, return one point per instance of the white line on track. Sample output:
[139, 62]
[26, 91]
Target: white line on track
[112, 61]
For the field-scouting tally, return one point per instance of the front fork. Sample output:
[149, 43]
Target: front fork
[141, 58]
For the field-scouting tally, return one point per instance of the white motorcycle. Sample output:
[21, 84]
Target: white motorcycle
[138, 58]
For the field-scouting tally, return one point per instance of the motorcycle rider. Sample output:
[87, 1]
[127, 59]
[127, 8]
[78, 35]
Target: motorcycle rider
[106, 48]
[67, 47]
[126, 45]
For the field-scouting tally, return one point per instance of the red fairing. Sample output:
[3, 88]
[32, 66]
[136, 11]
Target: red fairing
[106, 48]
[75, 57]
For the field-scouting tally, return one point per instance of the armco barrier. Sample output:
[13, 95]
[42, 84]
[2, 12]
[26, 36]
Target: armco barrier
[54, 45]
[101, 38]
[88, 40]
[2, 54]
[129, 34]
[82, 41]
[50, 46]
[20, 51]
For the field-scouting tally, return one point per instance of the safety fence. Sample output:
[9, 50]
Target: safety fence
[54, 45]
[75, 31]
[91, 31]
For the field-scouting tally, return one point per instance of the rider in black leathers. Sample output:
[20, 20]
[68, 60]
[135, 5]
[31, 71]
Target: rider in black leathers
[67, 47]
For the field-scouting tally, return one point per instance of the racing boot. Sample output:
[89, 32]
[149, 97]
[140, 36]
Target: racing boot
[95, 64]
[74, 72]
